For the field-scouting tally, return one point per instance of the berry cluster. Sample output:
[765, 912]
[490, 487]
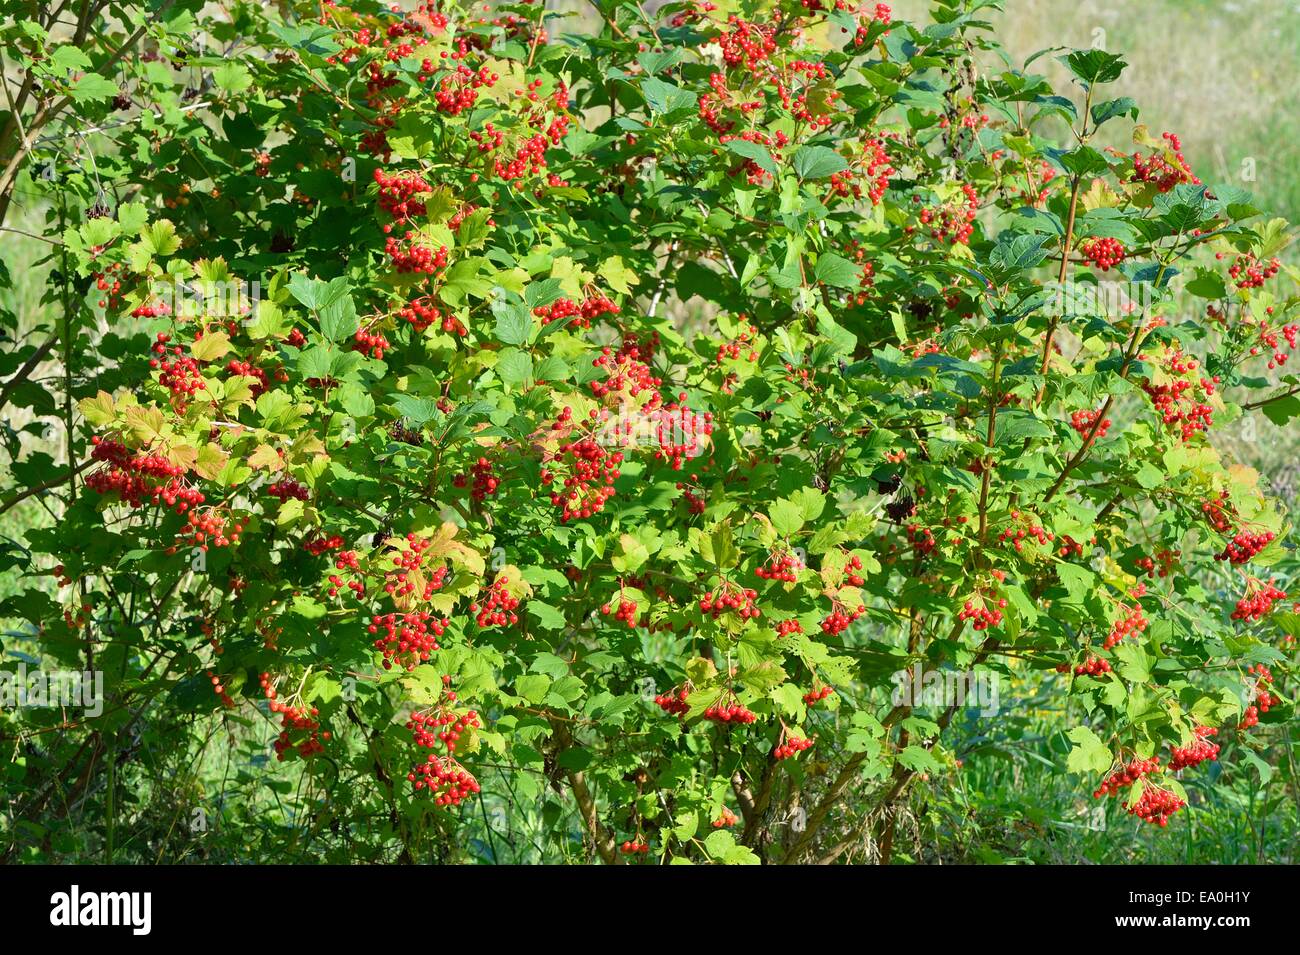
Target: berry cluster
[637, 846]
[592, 471]
[1126, 776]
[1166, 558]
[409, 581]
[787, 627]
[1165, 168]
[287, 488]
[1084, 422]
[1181, 401]
[370, 343]
[815, 695]
[1131, 624]
[1092, 666]
[728, 711]
[784, 567]
[1200, 751]
[444, 779]
[725, 819]
[139, 479]
[1261, 699]
[498, 609]
[1247, 271]
[1103, 253]
[625, 611]
[674, 702]
[592, 307]
[441, 728]
[179, 374]
[398, 192]
[791, 746]
[839, 619]
[730, 597]
[406, 639]
[983, 615]
[1244, 546]
[1258, 600]
[485, 482]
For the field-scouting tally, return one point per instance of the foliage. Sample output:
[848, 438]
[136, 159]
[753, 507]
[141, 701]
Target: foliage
[620, 414]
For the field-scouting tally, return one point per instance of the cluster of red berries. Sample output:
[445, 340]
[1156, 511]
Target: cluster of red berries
[674, 702]
[138, 479]
[287, 488]
[406, 639]
[1130, 625]
[421, 313]
[637, 846]
[1084, 421]
[1126, 776]
[1258, 600]
[593, 470]
[1185, 757]
[1268, 339]
[1162, 170]
[179, 374]
[321, 544]
[219, 688]
[485, 482]
[1244, 546]
[815, 696]
[408, 577]
[1247, 271]
[1092, 666]
[414, 257]
[295, 720]
[498, 609]
[442, 727]
[458, 91]
[787, 627]
[725, 819]
[625, 611]
[839, 620]
[1103, 253]
[1166, 558]
[444, 779]
[1181, 402]
[1262, 700]
[370, 343]
[592, 307]
[851, 568]
[1017, 536]
[784, 567]
[982, 614]
[398, 192]
[1156, 805]
[730, 711]
[792, 746]
[207, 528]
[677, 431]
[953, 222]
[730, 597]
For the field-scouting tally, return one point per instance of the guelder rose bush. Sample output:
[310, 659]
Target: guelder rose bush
[624, 408]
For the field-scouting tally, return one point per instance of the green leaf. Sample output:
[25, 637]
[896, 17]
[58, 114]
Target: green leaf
[817, 162]
[1089, 755]
[836, 271]
[514, 322]
[755, 153]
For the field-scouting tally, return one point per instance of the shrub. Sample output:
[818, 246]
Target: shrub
[636, 415]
